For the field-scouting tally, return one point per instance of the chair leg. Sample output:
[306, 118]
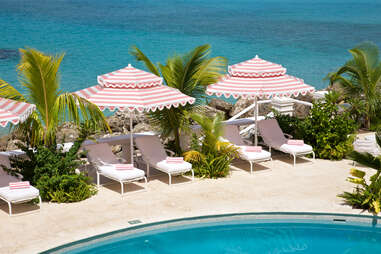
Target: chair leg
[10, 208]
[147, 170]
[39, 201]
[97, 179]
[122, 187]
[251, 167]
[170, 179]
[313, 155]
[294, 159]
[192, 175]
[145, 183]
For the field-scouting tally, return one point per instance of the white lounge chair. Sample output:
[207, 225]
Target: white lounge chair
[274, 137]
[154, 155]
[16, 196]
[231, 134]
[102, 157]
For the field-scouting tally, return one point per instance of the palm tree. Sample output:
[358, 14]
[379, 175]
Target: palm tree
[39, 74]
[213, 156]
[360, 78]
[190, 74]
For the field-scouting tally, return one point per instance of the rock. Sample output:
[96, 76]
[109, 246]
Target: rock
[67, 132]
[211, 112]
[221, 105]
[12, 144]
[301, 111]
[241, 104]
[143, 127]
[4, 142]
[120, 121]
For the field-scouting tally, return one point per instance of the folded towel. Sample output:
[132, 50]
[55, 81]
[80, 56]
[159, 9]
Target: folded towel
[123, 166]
[19, 185]
[295, 142]
[253, 149]
[175, 160]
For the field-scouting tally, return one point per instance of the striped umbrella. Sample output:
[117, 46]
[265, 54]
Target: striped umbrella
[133, 90]
[257, 78]
[14, 111]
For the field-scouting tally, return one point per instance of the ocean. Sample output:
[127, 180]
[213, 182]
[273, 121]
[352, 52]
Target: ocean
[309, 37]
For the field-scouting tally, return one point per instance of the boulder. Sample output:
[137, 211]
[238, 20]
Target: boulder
[143, 127]
[12, 144]
[221, 105]
[301, 111]
[67, 132]
[211, 112]
[241, 104]
[120, 121]
[4, 142]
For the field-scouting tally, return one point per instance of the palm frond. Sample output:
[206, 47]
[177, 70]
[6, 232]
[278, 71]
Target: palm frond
[141, 57]
[366, 159]
[9, 92]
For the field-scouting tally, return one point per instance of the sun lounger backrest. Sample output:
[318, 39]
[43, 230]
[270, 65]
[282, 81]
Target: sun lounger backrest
[271, 133]
[151, 149]
[231, 133]
[102, 152]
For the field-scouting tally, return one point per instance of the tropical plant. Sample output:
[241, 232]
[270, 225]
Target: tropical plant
[289, 124]
[360, 78]
[367, 194]
[328, 130]
[39, 75]
[190, 74]
[213, 156]
[53, 171]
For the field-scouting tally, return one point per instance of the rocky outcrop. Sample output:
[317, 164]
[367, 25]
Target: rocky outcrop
[221, 105]
[241, 104]
[4, 142]
[67, 132]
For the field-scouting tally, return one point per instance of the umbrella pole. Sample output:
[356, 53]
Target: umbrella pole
[256, 121]
[131, 139]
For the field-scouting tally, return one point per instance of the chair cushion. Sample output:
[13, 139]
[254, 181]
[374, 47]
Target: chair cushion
[121, 175]
[295, 148]
[253, 156]
[174, 167]
[19, 194]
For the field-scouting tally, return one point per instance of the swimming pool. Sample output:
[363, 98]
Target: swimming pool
[273, 233]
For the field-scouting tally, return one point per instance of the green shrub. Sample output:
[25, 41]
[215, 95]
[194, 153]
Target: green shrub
[289, 124]
[328, 130]
[212, 157]
[367, 194]
[52, 171]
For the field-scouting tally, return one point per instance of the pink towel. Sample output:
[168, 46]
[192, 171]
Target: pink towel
[253, 149]
[175, 160]
[123, 166]
[19, 185]
[295, 142]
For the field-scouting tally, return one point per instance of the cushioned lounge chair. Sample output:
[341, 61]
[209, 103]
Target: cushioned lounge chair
[231, 134]
[154, 155]
[102, 157]
[14, 196]
[274, 137]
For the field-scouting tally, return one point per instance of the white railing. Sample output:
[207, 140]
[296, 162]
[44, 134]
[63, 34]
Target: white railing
[248, 109]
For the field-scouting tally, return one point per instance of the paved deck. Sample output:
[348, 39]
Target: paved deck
[308, 187]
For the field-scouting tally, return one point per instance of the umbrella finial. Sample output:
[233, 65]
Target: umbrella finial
[129, 65]
[256, 56]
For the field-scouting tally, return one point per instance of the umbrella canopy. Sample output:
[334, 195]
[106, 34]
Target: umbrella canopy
[133, 89]
[257, 78]
[14, 111]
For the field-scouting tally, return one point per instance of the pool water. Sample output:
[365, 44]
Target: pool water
[246, 236]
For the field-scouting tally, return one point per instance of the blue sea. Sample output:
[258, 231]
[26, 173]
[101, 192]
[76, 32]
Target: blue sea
[309, 37]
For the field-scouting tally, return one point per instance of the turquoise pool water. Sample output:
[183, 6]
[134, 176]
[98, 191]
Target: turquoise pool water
[244, 235]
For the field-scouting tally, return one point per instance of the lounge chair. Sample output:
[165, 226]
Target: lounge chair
[154, 155]
[102, 157]
[14, 196]
[231, 134]
[274, 137]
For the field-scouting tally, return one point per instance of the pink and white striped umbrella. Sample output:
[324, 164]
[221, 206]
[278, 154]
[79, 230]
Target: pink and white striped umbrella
[257, 78]
[133, 89]
[14, 111]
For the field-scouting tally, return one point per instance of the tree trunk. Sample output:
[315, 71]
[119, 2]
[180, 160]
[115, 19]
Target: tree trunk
[177, 142]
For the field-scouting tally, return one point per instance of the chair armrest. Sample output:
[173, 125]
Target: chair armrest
[122, 160]
[247, 142]
[288, 136]
[171, 153]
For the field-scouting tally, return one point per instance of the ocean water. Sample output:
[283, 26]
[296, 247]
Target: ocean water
[309, 37]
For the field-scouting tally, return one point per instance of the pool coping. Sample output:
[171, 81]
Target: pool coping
[331, 218]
